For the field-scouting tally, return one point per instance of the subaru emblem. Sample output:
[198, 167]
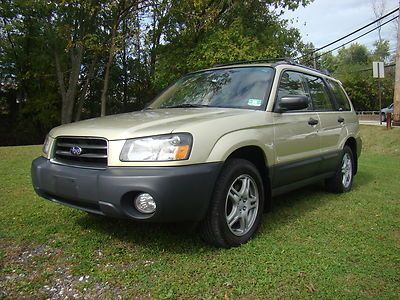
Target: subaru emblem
[75, 150]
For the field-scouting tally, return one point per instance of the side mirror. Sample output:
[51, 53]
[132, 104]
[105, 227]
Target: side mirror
[295, 102]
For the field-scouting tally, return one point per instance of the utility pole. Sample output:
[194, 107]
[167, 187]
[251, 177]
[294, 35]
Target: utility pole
[396, 101]
[380, 100]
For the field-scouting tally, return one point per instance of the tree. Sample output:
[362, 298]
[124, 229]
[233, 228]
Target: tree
[379, 9]
[119, 9]
[353, 68]
[381, 51]
[329, 62]
[355, 54]
[66, 60]
[68, 26]
[199, 34]
[29, 88]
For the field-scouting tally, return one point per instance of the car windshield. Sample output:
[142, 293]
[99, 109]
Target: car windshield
[241, 87]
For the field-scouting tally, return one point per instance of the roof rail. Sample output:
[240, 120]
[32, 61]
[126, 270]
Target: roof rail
[323, 71]
[278, 60]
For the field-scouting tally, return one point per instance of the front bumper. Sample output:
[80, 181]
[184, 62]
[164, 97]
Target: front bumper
[181, 193]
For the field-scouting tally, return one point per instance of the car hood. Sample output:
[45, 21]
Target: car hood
[145, 123]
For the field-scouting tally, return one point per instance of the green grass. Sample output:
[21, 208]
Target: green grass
[312, 245]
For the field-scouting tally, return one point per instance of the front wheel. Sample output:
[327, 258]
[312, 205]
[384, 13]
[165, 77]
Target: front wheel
[237, 205]
[342, 181]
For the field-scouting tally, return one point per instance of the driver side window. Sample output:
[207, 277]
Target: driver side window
[292, 84]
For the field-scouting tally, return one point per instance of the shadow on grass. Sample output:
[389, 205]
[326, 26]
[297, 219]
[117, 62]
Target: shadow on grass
[183, 237]
[173, 237]
[363, 177]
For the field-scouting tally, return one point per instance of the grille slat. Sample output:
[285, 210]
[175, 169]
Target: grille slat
[93, 151]
[88, 155]
[69, 145]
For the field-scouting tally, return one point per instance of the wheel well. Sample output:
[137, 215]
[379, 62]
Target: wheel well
[256, 156]
[351, 142]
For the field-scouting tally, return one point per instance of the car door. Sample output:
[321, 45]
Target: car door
[296, 140]
[332, 122]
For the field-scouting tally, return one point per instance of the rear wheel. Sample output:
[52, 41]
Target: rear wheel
[237, 205]
[342, 181]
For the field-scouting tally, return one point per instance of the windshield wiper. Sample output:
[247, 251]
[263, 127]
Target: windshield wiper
[183, 105]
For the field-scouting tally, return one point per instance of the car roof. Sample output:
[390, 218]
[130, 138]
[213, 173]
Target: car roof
[281, 63]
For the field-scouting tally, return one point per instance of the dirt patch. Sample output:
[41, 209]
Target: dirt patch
[40, 271]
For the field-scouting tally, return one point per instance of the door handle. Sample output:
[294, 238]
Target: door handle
[312, 122]
[340, 120]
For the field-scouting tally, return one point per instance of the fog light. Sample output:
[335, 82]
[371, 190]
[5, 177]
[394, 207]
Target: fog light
[145, 203]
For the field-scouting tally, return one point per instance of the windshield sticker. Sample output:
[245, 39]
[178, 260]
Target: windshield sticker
[254, 102]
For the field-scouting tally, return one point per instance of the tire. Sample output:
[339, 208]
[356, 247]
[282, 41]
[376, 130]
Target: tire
[236, 207]
[342, 181]
[383, 117]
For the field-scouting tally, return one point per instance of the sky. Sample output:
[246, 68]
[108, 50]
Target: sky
[324, 21]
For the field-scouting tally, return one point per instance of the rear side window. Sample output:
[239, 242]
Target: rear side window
[319, 93]
[292, 84]
[340, 96]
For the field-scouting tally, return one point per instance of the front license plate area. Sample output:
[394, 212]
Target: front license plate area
[66, 187]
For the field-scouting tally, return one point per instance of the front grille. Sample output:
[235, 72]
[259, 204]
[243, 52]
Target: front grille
[89, 152]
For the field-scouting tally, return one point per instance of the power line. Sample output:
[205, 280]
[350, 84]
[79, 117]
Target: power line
[357, 30]
[351, 33]
[370, 69]
[356, 38]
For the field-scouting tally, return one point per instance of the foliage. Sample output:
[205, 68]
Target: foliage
[312, 245]
[64, 60]
[381, 51]
[353, 67]
[248, 31]
[356, 54]
[29, 92]
[355, 72]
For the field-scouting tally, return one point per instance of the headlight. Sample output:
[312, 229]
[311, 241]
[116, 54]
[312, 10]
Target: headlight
[158, 148]
[46, 145]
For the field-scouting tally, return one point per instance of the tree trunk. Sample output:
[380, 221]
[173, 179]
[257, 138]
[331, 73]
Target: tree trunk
[68, 94]
[107, 72]
[61, 84]
[396, 100]
[123, 11]
[82, 97]
[157, 31]
[125, 67]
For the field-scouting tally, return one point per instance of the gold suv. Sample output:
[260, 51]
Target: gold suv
[213, 148]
